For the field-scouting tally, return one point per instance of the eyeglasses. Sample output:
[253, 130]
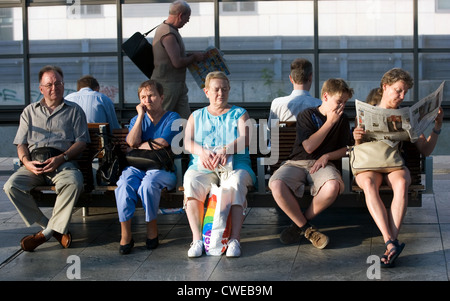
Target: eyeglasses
[56, 84]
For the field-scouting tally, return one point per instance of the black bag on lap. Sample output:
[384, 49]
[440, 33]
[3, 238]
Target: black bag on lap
[156, 158]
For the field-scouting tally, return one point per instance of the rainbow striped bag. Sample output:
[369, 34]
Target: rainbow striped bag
[217, 221]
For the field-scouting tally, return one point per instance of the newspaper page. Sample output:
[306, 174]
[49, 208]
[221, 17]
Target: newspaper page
[213, 62]
[425, 110]
[403, 124]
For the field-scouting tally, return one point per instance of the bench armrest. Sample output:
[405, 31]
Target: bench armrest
[428, 167]
[261, 175]
[347, 175]
[179, 171]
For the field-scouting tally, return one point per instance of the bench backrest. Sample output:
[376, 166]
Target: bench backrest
[91, 150]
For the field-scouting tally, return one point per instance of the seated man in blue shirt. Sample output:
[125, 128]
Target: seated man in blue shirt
[97, 106]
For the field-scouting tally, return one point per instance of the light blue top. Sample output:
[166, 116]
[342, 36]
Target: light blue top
[211, 131]
[97, 106]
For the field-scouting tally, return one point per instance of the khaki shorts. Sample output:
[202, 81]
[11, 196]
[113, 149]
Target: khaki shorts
[295, 174]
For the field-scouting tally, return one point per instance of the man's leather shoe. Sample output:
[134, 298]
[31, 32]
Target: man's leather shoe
[31, 242]
[64, 239]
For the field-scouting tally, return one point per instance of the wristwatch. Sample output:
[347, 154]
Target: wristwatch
[437, 132]
[66, 157]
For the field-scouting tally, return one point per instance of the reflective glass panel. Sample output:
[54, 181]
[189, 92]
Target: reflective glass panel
[76, 28]
[349, 24]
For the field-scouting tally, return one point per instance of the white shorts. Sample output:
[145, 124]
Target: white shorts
[197, 185]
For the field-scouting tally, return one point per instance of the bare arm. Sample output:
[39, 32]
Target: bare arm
[316, 139]
[134, 137]
[172, 47]
[427, 145]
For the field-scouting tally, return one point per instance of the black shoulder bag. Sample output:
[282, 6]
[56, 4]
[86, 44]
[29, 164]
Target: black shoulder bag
[140, 51]
[155, 158]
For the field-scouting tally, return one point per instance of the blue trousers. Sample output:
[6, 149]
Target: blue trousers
[136, 184]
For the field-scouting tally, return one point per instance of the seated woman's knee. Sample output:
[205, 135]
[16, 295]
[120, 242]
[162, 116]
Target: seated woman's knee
[366, 180]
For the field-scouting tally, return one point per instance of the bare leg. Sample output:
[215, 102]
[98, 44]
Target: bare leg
[152, 229]
[287, 202]
[125, 232]
[194, 212]
[237, 219]
[399, 181]
[323, 199]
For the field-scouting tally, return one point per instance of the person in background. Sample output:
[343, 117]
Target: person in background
[287, 108]
[323, 134]
[374, 96]
[151, 122]
[171, 59]
[97, 106]
[223, 126]
[56, 128]
[394, 85]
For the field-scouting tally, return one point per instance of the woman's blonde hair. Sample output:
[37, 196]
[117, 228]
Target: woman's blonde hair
[216, 75]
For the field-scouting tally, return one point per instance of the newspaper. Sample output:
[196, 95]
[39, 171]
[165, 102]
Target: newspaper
[213, 62]
[403, 124]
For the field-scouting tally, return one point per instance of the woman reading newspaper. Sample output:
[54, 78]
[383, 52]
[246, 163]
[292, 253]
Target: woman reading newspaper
[394, 86]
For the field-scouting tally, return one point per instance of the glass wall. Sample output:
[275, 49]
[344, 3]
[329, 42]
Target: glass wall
[352, 39]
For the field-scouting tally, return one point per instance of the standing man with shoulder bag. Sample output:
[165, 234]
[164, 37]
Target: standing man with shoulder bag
[171, 59]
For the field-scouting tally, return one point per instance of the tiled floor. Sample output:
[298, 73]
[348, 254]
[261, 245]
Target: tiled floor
[353, 239]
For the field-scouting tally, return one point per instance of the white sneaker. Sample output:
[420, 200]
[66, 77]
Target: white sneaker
[196, 249]
[234, 248]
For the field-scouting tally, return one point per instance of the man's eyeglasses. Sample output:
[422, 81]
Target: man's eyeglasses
[56, 84]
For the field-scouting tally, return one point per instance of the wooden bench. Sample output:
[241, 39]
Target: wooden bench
[260, 196]
[420, 168]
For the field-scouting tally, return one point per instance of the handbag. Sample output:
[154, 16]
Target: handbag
[375, 156]
[140, 51]
[154, 158]
[217, 221]
[41, 154]
[111, 164]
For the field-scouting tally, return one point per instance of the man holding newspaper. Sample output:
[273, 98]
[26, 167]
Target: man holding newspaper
[389, 123]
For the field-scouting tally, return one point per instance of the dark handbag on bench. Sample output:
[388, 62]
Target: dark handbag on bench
[111, 165]
[41, 154]
[156, 158]
[140, 51]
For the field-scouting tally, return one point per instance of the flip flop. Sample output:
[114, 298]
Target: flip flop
[397, 249]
